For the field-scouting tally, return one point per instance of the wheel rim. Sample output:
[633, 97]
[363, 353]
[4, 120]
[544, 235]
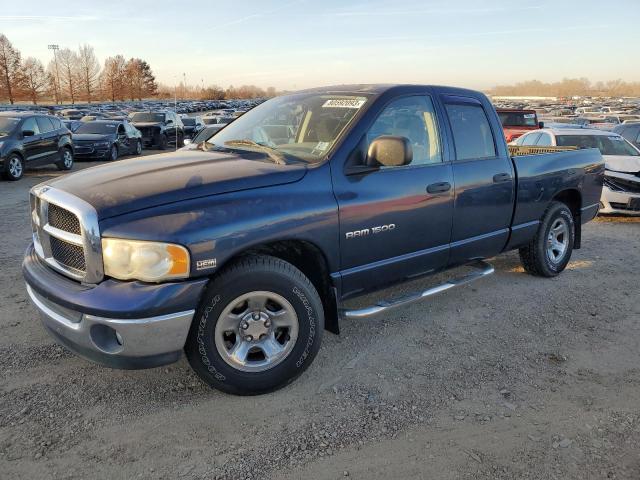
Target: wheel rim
[256, 331]
[139, 148]
[15, 167]
[67, 159]
[114, 153]
[558, 240]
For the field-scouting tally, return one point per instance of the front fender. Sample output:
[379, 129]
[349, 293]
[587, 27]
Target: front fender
[217, 228]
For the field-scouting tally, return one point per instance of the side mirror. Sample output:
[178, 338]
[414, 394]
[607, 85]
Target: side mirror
[28, 133]
[540, 124]
[389, 151]
[168, 122]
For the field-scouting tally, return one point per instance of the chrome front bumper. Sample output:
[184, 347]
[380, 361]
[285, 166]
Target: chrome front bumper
[118, 343]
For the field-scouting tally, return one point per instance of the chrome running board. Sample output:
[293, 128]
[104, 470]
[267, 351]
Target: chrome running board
[483, 269]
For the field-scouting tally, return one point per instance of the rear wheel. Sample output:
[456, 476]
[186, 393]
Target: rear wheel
[180, 141]
[139, 147]
[259, 326]
[550, 250]
[66, 159]
[13, 167]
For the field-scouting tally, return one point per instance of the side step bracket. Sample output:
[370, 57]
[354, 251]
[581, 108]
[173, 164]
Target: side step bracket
[482, 269]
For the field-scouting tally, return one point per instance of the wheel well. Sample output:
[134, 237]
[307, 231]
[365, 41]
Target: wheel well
[573, 199]
[310, 260]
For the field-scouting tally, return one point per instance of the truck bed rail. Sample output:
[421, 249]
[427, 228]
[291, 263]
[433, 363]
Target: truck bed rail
[519, 150]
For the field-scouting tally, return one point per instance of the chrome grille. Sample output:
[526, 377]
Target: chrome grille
[68, 254]
[63, 219]
[66, 234]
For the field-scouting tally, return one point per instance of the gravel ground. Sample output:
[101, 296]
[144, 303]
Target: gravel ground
[510, 377]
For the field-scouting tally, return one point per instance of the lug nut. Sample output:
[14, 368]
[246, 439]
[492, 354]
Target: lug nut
[245, 325]
[256, 316]
[249, 338]
[267, 323]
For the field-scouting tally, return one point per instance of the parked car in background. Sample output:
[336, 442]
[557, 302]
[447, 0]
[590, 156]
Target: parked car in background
[621, 191]
[192, 126]
[217, 119]
[630, 131]
[107, 139]
[72, 114]
[28, 140]
[159, 129]
[72, 125]
[517, 122]
[205, 134]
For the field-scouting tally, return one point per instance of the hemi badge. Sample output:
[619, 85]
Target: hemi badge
[205, 264]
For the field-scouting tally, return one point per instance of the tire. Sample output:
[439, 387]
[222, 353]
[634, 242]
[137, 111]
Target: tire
[138, 150]
[261, 296]
[180, 141]
[13, 167]
[163, 142]
[113, 153]
[66, 159]
[550, 250]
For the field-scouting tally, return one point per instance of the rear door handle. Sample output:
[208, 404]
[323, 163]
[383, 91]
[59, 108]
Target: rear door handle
[439, 187]
[501, 177]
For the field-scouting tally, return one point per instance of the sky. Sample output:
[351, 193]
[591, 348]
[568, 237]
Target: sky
[294, 44]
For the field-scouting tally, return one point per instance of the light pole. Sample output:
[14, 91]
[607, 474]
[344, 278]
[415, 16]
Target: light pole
[55, 48]
[184, 86]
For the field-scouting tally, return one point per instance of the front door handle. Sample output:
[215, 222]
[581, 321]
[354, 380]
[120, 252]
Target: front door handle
[501, 177]
[439, 187]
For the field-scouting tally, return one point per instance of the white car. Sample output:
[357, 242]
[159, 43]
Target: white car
[621, 191]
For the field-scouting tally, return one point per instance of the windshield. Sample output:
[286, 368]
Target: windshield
[517, 119]
[147, 117]
[607, 144]
[7, 124]
[304, 126]
[97, 127]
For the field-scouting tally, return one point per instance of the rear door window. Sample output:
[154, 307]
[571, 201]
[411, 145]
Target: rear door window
[45, 125]
[472, 134]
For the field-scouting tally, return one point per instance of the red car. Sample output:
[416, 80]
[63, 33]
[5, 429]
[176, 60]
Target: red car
[516, 123]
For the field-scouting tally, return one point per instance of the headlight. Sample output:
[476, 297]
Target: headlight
[101, 144]
[145, 261]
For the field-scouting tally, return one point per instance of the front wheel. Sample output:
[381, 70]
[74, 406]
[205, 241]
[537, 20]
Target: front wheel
[66, 159]
[113, 153]
[14, 167]
[549, 252]
[138, 147]
[258, 327]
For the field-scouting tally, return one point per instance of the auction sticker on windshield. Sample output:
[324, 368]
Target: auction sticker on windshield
[344, 103]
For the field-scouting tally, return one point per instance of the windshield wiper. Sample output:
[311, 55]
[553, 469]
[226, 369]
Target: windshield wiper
[272, 153]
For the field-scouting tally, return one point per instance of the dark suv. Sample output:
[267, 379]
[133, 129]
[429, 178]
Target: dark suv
[159, 129]
[28, 140]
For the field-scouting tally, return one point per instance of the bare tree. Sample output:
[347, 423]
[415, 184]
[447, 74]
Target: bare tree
[11, 80]
[35, 79]
[113, 77]
[89, 71]
[68, 63]
[52, 79]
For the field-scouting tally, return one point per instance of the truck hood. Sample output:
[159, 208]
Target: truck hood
[129, 185]
[622, 163]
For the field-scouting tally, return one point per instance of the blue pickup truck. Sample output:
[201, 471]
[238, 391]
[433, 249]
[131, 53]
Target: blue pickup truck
[240, 250]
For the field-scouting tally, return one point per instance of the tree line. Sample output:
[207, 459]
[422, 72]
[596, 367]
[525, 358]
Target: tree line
[568, 87]
[72, 76]
[214, 92]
